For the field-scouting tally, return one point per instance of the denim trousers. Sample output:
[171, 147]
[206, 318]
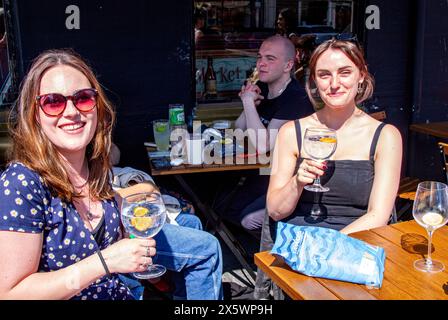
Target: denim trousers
[193, 255]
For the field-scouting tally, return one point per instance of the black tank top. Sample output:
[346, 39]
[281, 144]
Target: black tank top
[350, 183]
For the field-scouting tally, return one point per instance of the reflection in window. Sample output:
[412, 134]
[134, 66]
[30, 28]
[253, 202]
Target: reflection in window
[3, 49]
[231, 32]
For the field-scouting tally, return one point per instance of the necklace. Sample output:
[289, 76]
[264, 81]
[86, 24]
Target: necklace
[90, 215]
[272, 96]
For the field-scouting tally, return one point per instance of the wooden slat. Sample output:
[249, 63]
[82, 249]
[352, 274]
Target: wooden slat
[380, 116]
[401, 280]
[439, 239]
[205, 168]
[408, 187]
[400, 272]
[346, 290]
[295, 285]
[436, 129]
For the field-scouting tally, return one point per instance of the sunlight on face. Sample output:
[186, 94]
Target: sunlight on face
[337, 79]
[73, 130]
[271, 61]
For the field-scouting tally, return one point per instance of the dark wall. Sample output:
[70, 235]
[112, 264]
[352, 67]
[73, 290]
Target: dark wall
[409, 58]
[140, 50]
[390, 56]
[431, 86]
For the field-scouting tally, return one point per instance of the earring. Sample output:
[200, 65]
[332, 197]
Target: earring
[360, 88]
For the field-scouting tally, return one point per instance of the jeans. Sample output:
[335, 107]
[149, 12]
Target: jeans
[263, 284]
[194, 256]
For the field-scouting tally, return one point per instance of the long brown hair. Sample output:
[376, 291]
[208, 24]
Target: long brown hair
[355, 53]
[34, 149]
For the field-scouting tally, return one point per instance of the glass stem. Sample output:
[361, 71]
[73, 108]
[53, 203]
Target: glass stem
[317, 181]
[428, 259]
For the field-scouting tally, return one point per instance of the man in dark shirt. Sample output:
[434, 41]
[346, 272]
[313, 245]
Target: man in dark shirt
[268, 105]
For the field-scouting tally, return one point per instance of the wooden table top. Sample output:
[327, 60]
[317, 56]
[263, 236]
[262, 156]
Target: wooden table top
[436, 129]
[403, 243]
[228, 164]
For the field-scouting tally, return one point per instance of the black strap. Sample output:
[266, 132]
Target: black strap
[375, 141]
[298, 135]
[103, 262]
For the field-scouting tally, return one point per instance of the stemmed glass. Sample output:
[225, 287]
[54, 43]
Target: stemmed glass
[143, 215]
[319, 144]
[431, 212]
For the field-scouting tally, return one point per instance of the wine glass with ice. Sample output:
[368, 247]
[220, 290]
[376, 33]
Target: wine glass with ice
[431, 212]
[319, 144]
[143, 215]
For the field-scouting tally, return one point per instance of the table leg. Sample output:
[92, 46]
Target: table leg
[218, 226]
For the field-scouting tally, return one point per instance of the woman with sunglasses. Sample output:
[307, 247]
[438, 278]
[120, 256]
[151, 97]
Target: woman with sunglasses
[60, 231]
[364, 172]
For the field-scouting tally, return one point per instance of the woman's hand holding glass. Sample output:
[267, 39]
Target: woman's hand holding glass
[143, 216]
[319, 144]
[309, 171]
[130, 255]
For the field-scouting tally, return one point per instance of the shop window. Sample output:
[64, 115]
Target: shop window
[3, 49]
[231, 31]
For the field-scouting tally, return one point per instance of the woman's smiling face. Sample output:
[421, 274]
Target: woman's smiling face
[72, 130]
[337, 79]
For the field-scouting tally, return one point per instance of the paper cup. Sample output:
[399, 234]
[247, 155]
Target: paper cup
[195, 151]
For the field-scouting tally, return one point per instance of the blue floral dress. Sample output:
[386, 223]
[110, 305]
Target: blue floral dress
[26, 205]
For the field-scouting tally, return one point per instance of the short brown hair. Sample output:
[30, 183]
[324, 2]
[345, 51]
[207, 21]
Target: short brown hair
[288, 46]
[34, 149]
[355, 53]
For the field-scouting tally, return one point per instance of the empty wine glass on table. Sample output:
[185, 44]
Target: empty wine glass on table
[143, 215]
[319, 144]
[431, 212]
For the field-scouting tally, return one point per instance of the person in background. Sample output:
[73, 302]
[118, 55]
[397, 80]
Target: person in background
[274, 100]
[363, 174]
[286, 23]
[58, 208]
[305, 46]
[199, 23]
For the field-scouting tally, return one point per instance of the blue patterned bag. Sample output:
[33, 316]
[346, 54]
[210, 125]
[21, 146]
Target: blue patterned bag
[327, 253]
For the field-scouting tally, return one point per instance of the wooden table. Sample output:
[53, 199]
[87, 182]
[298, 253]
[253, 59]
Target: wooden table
[211, 216]
[436, 129]
[403, 243]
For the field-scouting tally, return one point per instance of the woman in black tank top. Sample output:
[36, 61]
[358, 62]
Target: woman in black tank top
[364, 172]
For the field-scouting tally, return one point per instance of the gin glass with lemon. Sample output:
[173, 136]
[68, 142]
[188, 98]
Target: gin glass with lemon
[431, 212]
[319, 144]
[143, 216]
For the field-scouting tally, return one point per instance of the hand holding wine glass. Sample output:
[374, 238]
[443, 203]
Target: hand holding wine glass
[431, 212]
[143, 215]
[319, 144]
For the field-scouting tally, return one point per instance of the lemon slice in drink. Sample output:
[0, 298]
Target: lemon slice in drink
[327, 140]
[140, 211]
[432, 219]
[161, 127]
[141, 223]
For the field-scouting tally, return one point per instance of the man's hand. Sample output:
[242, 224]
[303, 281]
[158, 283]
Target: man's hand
[251, 92]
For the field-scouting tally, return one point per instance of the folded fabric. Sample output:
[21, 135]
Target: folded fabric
[327, 253]
[123, 176]
[173, 208]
